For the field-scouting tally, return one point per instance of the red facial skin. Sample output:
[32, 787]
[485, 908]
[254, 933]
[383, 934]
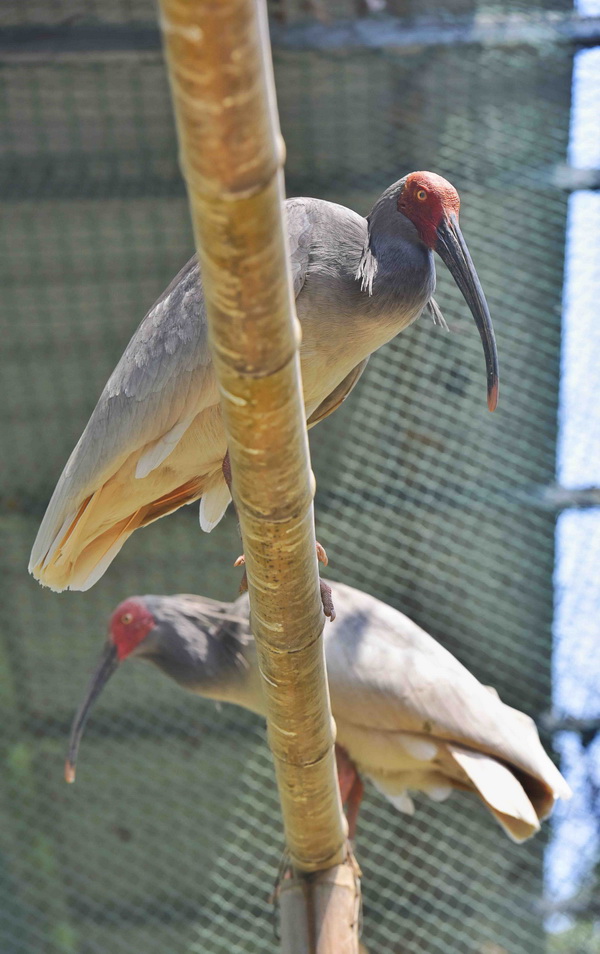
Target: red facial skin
[129, 625]
[427, 211]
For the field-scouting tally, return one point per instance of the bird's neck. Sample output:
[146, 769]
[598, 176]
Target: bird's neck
[219, 665]
[395, 264]
[242, 685]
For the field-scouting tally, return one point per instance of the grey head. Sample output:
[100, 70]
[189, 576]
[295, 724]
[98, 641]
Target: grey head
[202, 644]
[416, 216]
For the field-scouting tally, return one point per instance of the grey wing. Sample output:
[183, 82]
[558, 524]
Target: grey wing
[165, 376]
[163, 380]
[305, 217]
[299, 231]
[166, 373]
[388, 674]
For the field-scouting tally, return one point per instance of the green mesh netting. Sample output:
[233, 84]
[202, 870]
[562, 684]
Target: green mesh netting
[171, 838]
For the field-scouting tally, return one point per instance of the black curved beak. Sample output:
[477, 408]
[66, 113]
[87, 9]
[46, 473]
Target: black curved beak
[452, 249]
[109, 662]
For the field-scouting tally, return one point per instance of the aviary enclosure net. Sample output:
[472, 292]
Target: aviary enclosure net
[483, 528]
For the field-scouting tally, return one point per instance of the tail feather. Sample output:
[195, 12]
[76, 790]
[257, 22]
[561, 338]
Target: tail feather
[517, 800]
[97, 556]
[543, 795]
[85, 547]
[501, 791]
[516, 829]
[182, 495]
[66, 530]
[101, 499]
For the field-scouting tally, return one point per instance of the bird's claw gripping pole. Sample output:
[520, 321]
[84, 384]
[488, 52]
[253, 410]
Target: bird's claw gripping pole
[232, 153]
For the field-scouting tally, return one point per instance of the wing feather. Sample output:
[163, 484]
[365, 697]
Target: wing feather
[214, 502]
[337, 396]
[406, 680]
[161, 380]
[161, 389]
[299, 233]
[499, 788]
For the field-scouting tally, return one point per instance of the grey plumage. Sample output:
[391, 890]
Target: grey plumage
[155, 440]
[409, 715]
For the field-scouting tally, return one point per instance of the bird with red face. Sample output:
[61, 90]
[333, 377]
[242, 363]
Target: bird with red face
[156, 440]
[409, 716]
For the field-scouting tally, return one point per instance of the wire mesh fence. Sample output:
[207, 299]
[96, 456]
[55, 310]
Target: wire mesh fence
[482, 528]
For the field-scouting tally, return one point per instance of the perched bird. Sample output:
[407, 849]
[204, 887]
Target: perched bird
[409, 716]
[156, 441]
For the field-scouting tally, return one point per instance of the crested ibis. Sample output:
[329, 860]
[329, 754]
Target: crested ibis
[409, 716]
[156, 441]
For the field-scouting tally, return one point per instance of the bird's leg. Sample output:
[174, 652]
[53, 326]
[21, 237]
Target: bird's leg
[351, 788]
[354, 802]
[326, 597]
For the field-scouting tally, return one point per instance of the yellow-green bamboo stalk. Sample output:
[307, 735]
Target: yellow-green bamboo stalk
[232, 154]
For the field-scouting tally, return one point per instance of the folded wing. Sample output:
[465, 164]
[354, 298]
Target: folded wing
[413, 718]
[155, 440]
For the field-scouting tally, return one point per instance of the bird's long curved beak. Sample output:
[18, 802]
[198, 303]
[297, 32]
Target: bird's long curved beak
[452, 249]
[108, 663]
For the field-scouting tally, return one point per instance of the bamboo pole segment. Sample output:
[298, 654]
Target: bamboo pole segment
[231, 154]
[320, 912]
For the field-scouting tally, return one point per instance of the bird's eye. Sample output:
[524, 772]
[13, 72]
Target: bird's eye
[421, 195]
[127, 618]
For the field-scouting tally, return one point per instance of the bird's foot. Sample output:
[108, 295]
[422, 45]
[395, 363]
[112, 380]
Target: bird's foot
[326, 595]
[327, 600]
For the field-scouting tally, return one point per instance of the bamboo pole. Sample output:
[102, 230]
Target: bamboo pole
[320, 912]
[231, 153]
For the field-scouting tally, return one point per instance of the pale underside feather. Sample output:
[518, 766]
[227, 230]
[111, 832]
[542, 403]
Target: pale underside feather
[399, 696]
[213, 504]
[161, 449]
[338, 395]
[60, 534]
[164, 377]
[401, 800]
[403, 803]
[439, 793]
[86, 582]
[423, 750]
[500, 790]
